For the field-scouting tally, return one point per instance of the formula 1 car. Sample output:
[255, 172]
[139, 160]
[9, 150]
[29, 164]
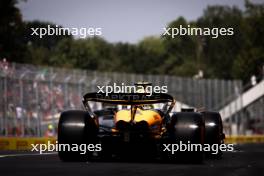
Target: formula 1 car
[136, 128]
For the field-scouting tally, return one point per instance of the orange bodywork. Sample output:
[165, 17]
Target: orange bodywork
[152, 117]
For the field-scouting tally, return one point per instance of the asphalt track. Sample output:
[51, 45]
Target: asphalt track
[246, 160]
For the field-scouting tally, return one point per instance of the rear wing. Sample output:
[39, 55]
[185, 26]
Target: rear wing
[133, 99]
[128, 98]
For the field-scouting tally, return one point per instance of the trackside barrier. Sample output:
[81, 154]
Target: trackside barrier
[16, 143]
[244, 139]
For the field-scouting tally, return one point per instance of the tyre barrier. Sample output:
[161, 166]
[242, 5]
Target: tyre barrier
[25, 143]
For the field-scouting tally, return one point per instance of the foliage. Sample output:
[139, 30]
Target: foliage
[229, 57]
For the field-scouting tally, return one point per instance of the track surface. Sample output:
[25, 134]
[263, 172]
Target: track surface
[246, 160]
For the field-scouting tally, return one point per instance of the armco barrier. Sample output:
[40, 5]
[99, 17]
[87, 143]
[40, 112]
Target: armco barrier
[16, 143]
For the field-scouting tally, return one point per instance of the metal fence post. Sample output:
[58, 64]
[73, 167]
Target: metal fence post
[66, 84]
[5, 107]
[21, 105]
[39, 117]
[52, 100]
[80, 88]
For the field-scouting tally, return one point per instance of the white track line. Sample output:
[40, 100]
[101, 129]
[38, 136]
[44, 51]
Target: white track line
[27, 154]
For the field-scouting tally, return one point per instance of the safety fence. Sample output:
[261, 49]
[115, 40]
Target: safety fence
[32, 97]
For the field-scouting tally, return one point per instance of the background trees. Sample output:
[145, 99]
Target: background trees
[11, 32]
[233, 57]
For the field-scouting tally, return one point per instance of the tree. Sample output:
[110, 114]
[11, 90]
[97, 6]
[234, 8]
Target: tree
[47, 41]
[220, 53]
[250, 60]
[12, 46]
[181, 51]
[150, 53]
[238, 56]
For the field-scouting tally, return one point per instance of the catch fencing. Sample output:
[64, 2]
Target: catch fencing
[33, 96]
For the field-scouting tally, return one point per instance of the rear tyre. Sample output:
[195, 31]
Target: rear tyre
[76, 128]
[186, 128]
[213, 131]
